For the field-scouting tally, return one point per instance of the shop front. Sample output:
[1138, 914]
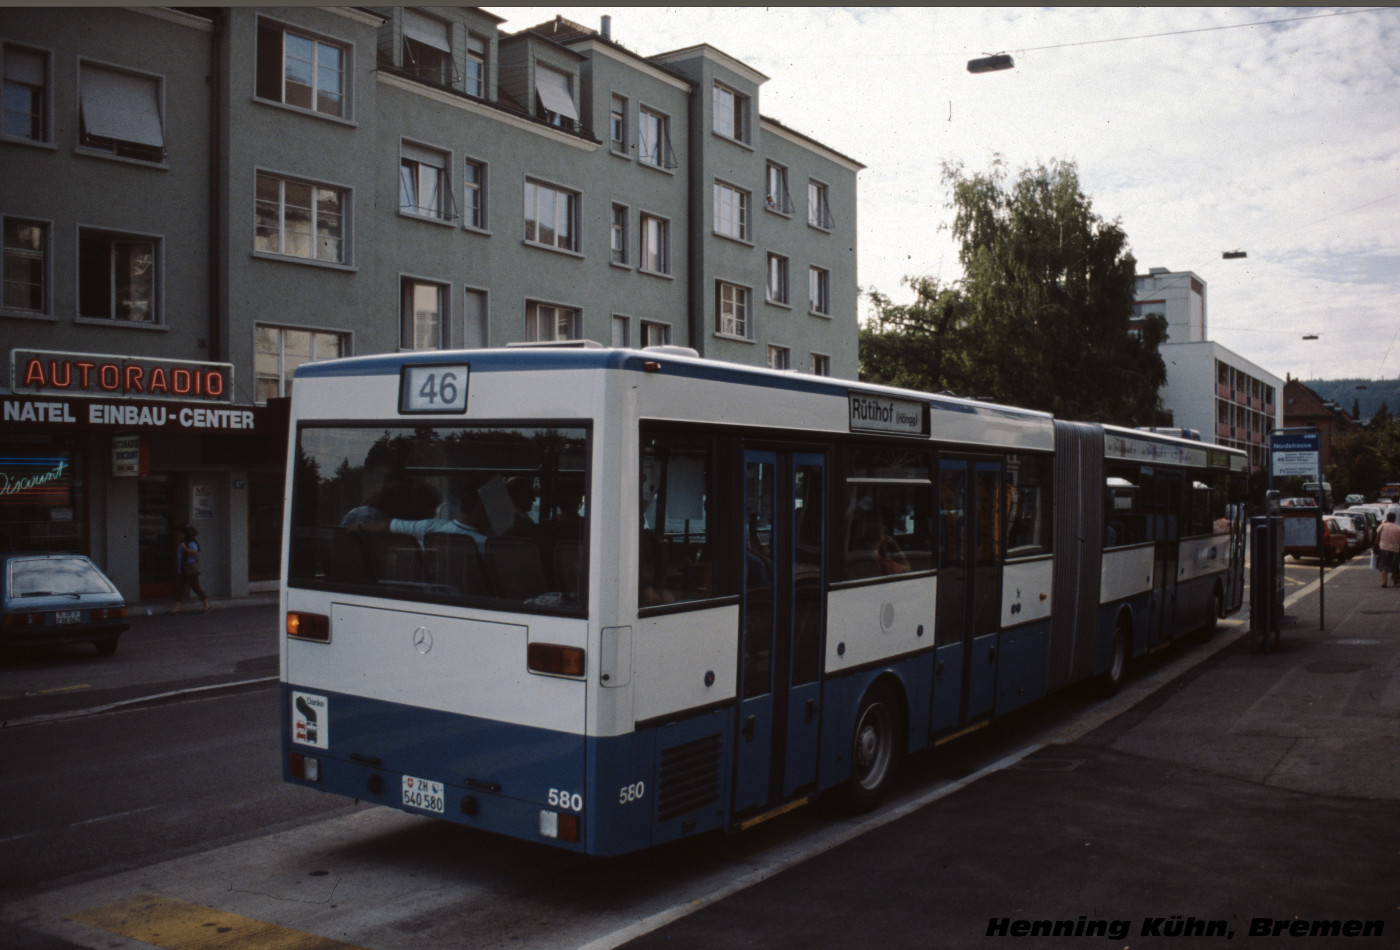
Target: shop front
[110, 455]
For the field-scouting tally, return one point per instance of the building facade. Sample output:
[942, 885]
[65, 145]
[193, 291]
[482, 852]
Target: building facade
[1221, 395]
[1305, 409]
[217, 195]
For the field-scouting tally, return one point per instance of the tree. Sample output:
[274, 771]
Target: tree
[918, 345]
[1047, 297]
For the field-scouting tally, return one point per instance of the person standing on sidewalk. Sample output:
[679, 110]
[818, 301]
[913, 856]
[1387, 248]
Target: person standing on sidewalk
[187, 568]
[1388, 548]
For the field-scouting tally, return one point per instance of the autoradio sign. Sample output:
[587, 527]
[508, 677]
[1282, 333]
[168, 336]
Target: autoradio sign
[1295, 453]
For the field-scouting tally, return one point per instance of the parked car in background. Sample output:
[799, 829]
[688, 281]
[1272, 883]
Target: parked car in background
[58, 599]
[1354, 499]
[1351, 527]
[1334, 541]
[1368, 519]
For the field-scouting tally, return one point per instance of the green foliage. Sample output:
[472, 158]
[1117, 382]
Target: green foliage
[1041, 317]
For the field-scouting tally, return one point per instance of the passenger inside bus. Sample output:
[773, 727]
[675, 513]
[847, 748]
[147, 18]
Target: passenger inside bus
[871, 551]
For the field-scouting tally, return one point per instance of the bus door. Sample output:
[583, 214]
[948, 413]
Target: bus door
[1166, 532]
[782, 617]
[969, 591]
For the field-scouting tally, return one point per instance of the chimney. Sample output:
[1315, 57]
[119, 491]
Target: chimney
[607, 27]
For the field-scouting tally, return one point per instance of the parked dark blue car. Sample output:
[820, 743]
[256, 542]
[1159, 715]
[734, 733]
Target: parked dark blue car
[56, 599]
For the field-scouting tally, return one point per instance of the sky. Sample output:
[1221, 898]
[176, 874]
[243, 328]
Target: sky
[1280, 139]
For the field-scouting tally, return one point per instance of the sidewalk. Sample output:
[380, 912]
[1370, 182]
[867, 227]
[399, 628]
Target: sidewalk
[1253, 792]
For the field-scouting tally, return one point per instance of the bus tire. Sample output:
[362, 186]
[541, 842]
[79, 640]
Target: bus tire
[1117, 672]
[876, 750]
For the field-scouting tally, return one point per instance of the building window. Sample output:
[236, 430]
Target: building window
[476, 329]
[731, 114]
[26, 266]
[278, 351]
[617, 125]
[300, 219]
[424, 187]
[553, 101]
[26, 82]
[777, 279]
[655, 334]
[777, 357]
[819, 290]
[298, 70]
[731, 211]
[427, 48]
[118, 276]
[776, 196]
[818, 207]
[474, 79]
[621, 334]
[423, 320]
[654, 139]
[619, 234]
[120, 113]
[732, 310]
[545, 322]
[474, 194]
[551, 216]
[656, 244]
[819, 364]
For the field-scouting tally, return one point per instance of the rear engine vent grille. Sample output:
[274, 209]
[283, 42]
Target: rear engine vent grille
[689, 777]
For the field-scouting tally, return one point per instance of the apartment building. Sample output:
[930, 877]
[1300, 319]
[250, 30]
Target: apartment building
[1221, 395]
[197, 201]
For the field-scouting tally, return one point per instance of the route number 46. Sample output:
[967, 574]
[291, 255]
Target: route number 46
[572, 801]
[436, 388]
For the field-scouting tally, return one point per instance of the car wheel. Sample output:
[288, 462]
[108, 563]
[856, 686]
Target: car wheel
[106, 647]
[875, 750]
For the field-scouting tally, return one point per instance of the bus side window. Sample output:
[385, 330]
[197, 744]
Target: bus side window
[675, 547]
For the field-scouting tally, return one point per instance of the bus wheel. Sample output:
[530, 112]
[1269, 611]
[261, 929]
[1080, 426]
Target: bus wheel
[875, 750]
[1122, 652]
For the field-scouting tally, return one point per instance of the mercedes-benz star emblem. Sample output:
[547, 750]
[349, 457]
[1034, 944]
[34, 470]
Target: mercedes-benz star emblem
[422, 640]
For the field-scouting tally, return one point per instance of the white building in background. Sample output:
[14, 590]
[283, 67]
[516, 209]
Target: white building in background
[1229, 400]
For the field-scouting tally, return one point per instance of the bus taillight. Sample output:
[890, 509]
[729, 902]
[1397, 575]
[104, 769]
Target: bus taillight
[309, 626]
[555, 660]
[304, 767]
[564, 826]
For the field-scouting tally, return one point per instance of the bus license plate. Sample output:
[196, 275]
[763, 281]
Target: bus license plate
[421, 793]
[68, 616]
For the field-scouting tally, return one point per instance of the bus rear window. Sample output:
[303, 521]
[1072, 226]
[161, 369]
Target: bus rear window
[489, 515]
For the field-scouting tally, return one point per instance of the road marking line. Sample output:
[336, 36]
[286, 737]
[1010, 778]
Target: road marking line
[179, 925]
[120, 704]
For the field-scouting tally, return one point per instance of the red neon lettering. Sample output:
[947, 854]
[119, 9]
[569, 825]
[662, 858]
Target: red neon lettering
[34, 373]
[214, 385]
[158, 382]
[199, 383]
[109, 377]
[133, 379]
[87, 369]
[182, 386]
[67, 367]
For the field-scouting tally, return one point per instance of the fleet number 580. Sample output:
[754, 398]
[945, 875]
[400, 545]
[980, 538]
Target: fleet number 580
[631, 793]
[572, 801]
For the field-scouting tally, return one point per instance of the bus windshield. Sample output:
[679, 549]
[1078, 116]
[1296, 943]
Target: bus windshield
[494, 516]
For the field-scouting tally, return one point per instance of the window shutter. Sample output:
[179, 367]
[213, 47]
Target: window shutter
[121, 106]
[553, 88]
[426, 30]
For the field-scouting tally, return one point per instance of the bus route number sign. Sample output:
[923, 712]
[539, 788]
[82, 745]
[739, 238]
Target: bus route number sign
[433, 388]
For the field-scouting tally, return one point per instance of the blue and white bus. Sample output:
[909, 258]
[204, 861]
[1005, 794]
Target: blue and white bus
[607, 598]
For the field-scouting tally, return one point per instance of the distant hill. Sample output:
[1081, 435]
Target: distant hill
[1365, 394]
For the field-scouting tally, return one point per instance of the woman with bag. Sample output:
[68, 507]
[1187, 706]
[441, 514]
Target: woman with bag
[187, 569]
[1388, 549]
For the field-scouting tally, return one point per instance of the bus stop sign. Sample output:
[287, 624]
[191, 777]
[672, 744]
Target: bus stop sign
[1294, 453]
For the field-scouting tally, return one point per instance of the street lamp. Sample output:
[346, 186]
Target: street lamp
[991, 64]
[1233, 255]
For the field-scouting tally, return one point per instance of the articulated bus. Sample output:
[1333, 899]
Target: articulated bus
[608, 598]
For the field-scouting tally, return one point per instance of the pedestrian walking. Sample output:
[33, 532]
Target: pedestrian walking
[187, 568]
[1388, 550]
